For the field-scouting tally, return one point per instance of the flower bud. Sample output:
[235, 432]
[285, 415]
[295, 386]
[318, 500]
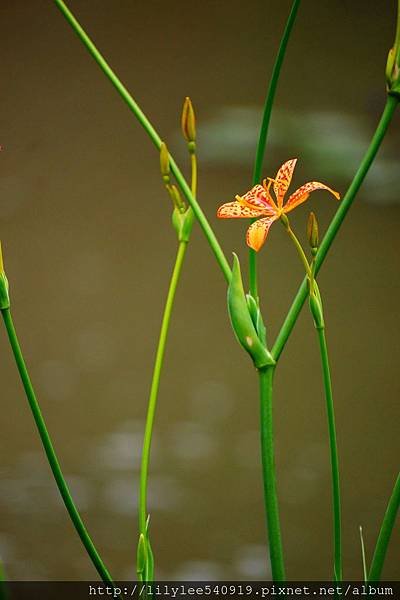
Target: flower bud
[183, 223]
[176, 198]
[393, 74]
[141, 556]
[188, 122]
[256, 317]
[241, 320]
[316, 311]
[393, 63]
[312, 231]
[164, 162]
[4, 295]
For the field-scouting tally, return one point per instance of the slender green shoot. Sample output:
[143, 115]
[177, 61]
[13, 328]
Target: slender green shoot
[337, 528]
[155, 385]
[385, 533]
[50, 452]
[363, 557]
[298, 246]
[266, 376]
[320, 327]
[336, 222]
[152, 133]
[262, 140]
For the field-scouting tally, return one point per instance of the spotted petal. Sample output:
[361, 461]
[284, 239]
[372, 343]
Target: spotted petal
[283, 179]
[236, 210]
[258, 231]
[301, 195]
[257, 198]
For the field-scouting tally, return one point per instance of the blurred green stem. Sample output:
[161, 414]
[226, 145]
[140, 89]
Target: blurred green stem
[262, 140]
[320, 328]
[50, 452]
[385, 533]
[335, 224]
[337, 528]
[155, 385]
[266, 376]
[155, 138]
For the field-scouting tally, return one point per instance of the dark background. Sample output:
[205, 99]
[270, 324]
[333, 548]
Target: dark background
[85, 227]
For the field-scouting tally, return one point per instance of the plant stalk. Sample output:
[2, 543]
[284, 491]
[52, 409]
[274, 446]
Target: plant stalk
[155, 386]
[262, 140]
[152, 133]
[335, 224]
[269, 478]
[337, 543]
[385, 533]
[50, 452]
[337, 528]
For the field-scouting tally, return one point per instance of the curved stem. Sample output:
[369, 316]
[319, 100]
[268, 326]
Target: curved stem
[262, 140]
[193, 162]
[299, 249]
[385, 533]
[337, 542]
[152, 133]
[50, 452]
[155, 386]
[269, 479]
[336, 222]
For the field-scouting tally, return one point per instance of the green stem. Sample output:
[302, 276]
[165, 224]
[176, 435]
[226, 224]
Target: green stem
[269, 479]
[155, 138]
[262, 140]
[193, 162]
[155, 386]
[385, 533]
[337, 543]
[336, 222]
[50, 452]
[299, 248]
[310, 271]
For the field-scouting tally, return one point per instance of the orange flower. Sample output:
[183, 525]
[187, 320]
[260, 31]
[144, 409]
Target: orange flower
[258, 202]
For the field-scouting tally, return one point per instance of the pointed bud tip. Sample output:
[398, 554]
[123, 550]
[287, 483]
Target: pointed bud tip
[312, 230]
[164, 161]
[188, 121]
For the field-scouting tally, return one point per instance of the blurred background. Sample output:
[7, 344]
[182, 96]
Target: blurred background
[85, 227]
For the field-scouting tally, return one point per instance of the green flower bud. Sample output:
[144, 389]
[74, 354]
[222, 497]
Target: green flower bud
[141, 556]
[256, 317]
[188, 123]
[241, 320]
[176, 198]
[164, 162]
[316, 310]
[312, 232]
[4, 295]
[183, 223]
[392, 71]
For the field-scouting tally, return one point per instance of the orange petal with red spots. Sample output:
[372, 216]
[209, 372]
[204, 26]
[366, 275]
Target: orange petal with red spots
[301, 195]
[258, 231]
[236, 210]
[283, 179]
[257, 198]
